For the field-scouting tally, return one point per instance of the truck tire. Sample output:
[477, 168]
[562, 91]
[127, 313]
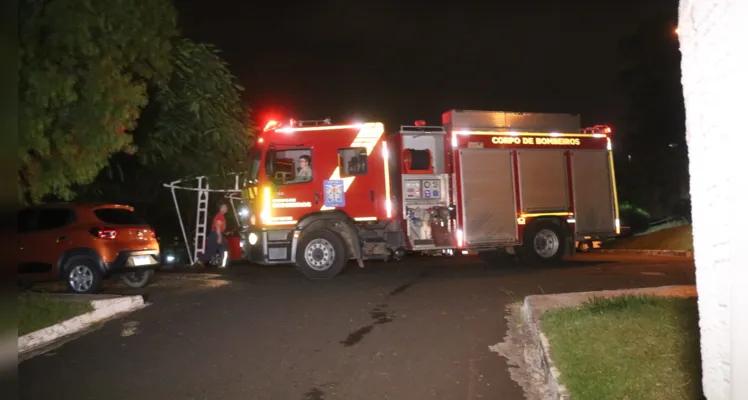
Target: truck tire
[543, 243]
[321, 254]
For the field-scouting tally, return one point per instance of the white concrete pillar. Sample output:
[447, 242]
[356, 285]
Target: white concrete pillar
[714, 44]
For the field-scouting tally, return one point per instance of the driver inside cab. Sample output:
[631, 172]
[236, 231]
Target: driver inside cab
[305, 170]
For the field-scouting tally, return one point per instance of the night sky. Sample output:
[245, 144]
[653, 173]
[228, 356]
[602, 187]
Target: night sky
[386, 61]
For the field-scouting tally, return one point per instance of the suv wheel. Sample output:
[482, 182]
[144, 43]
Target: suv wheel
[82, 276]
[139, 279]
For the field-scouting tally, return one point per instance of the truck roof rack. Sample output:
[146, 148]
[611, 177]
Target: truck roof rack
[421, 129]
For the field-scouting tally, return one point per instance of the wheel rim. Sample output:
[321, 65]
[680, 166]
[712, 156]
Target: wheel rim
[319, 254]
[546, 243]
[81, 278]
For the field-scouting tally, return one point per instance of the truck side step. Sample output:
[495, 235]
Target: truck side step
[374, 240]
[376, 256]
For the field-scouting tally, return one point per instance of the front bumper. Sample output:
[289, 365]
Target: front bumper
[132, 261]
[273, 246]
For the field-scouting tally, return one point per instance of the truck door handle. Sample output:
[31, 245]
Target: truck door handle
[316, 197]
[61, 238]
[371, 195]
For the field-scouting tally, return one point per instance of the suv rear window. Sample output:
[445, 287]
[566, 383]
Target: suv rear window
[118, 216]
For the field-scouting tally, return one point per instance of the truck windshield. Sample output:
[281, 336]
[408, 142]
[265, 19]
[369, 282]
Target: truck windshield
[254, 158]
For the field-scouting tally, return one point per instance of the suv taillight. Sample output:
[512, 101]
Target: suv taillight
[104, 233]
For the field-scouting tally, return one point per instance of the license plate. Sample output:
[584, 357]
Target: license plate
[141, 260]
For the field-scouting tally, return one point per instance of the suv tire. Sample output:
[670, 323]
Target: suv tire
[138, 279]
[82, 276]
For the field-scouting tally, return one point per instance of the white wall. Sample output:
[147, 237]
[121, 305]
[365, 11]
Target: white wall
[714, 45]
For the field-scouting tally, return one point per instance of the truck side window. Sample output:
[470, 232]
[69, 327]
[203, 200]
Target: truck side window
[353, 161]
[293, 166]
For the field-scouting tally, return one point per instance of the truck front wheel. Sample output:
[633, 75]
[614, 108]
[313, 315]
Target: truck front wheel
[321, 254]
[543, 242]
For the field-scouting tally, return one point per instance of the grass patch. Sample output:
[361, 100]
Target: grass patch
[37, 311]
[629, 347]
[677, 238]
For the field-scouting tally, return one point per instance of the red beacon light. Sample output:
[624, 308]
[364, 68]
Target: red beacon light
[272, 124]
[420, 122]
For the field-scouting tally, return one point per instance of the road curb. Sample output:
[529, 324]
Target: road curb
[103, 309]
[551, 374]
[671, 253]
[534, 306]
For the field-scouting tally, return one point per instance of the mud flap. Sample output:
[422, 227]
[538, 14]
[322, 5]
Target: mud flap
[351, 238]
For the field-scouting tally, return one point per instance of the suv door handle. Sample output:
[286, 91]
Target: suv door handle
[316, 197]
[61, 238]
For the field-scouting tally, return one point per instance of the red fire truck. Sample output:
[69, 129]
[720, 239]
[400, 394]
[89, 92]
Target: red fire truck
[531, 184]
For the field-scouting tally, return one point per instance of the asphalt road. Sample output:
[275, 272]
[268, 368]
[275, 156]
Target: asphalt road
[419, 329]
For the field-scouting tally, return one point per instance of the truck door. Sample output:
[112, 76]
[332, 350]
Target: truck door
[296, 181]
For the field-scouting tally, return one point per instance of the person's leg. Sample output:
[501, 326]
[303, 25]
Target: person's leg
[223, 248]
[211, 246]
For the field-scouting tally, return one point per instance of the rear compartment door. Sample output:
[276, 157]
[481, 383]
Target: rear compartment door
[488, 200]
[594, 201]
[543, 181]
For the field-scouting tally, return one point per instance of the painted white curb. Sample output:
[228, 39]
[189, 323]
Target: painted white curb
[103, 309]
[672, 253]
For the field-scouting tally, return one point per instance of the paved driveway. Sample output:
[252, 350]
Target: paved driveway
[419, 329]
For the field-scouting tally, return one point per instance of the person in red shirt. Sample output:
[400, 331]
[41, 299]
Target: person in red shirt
[216, 242]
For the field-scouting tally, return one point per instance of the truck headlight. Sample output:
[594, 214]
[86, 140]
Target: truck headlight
[253, 238]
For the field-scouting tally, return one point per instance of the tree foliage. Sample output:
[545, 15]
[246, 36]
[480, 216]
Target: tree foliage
[84, 70]
[196, 123]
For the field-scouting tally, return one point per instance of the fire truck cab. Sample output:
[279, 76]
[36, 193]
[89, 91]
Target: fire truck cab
[314, 190]
[532, 184]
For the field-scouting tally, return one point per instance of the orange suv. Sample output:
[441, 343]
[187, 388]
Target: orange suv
[83, 244]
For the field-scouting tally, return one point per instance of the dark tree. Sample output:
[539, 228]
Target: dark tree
[652, 155]
[195, 125]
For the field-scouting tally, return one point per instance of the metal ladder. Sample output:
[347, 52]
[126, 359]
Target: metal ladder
[201, 228]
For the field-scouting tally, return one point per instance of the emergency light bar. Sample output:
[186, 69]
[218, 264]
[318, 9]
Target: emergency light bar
[421, 129]
[273, 124]
[270, 125]
[313, 122]
[597, 129]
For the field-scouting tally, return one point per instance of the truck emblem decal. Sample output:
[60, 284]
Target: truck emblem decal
[334, 193]
[367, 137]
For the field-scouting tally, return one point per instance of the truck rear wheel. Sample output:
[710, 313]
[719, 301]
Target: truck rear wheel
[543, 242]
[321, 254]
